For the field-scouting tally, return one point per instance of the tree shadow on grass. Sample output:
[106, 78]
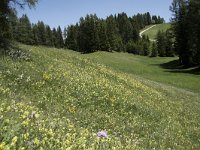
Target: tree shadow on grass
[175, 67]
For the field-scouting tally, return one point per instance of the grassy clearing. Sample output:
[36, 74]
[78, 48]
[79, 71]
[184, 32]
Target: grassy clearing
[61, 99]
[153, 31]
[157, 69]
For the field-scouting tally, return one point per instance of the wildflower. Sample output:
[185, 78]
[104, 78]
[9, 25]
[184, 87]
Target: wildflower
[2, 146]
[14, 141]
[46, 77]
[36, 141]
[102, 134]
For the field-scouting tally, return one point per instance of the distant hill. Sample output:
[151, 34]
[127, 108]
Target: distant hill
[154, 30]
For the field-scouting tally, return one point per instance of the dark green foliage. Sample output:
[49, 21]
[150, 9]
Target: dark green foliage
[25, 34]
[6, 15]
[161, 43]
[194, 30]
[116, 33]
[112, 33]
[146, 46]
[88, 36]
[154, 51]
[103, 39]
[165, 44]
[186, 30]
[49, 36]
[60, 38]
[125, 27]
[35, 34]
[72, 36]
[55, 39]
[4, 23]
[42, 36]
[157, 20]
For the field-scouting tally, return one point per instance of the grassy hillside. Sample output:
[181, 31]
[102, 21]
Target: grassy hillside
[162, 70]
[153, 31]
[61, 99]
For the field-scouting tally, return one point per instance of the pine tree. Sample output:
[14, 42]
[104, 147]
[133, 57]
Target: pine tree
[148, 18]
[35, 34]
[71, 41]
[161, 43]
[179, 8]
[125, 27]
[41, 33]
[6, 11]
[25, 34]
[103, 39]
[55, 39]
[60, 37]
[154, 51]
[49, 36]
[193, 23]
[112, 33]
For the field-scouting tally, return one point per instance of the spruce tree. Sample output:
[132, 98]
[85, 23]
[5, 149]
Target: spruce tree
[71, 40]
[112, 33]
[42, 36]
[25, 34]
[161, 43]
[154, 50]
[49, 36]
[60, 37]
[6, 11]
[103, 38]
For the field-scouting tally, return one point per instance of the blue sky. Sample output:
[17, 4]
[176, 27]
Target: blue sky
[66, 12]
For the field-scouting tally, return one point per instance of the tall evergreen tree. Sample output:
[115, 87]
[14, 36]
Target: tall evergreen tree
[103, 39]
[112, 33]
[49, 36]
[35, 34]
[161, 43]
[193, 23]
[42, 36]
[125, 27]
[71, 41]
[60, 38]
[25, 34]
[55, 39]
[154, 50]
[6, 9]
[148, 18]
[179, 9]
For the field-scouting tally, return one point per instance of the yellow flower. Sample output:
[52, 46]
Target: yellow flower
[36, 141]
[14, 141]
[2, 146]
[45, 76]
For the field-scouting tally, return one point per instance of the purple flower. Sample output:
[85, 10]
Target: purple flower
[102, 134]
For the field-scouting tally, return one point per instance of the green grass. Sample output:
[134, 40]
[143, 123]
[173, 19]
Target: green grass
[61, 99]
[153, 31]
[150, 68]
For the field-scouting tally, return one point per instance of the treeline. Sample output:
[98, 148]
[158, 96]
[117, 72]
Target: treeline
[35, 34]
[115, 33]
[163, 46]
[186, 27]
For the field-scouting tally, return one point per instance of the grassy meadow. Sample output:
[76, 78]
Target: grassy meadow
[60, 99]
[153, 31]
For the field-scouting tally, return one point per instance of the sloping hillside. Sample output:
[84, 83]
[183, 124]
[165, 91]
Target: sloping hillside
[61, 99]
[152, 32]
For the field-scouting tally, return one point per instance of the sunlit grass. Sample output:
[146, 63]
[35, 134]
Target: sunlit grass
[62, 99]
[153, 31]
